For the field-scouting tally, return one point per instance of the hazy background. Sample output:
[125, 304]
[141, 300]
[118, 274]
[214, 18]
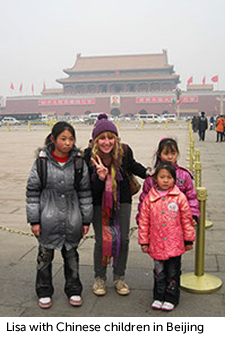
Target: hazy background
[40, 38]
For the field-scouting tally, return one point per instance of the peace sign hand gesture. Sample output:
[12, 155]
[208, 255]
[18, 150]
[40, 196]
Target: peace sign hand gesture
[102, 171]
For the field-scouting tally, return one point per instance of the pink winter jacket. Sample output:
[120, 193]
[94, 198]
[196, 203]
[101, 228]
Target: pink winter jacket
[184, 183]
[165, 223]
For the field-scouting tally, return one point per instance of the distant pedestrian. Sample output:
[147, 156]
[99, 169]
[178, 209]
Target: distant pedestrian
[224, 128]
[220, 124]
[211, 123]
[194, 122]
[59, 210]
[167, 241]
[202, 126]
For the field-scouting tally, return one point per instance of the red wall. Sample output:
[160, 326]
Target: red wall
[207, 103]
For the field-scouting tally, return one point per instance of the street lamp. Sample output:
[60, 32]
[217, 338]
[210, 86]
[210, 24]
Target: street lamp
[178, 100]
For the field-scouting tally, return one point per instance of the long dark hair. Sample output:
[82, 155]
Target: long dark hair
[170, 144]
[166, 166]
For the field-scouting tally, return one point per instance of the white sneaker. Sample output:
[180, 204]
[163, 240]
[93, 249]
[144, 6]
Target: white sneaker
[45, 302]
[75, 300]
[157, 305]
[167, 306]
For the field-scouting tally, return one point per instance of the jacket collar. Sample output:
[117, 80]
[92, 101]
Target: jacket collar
[46, 153]
[155, 195]
[176, 166]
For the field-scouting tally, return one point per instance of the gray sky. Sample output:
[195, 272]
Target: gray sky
[40, 38]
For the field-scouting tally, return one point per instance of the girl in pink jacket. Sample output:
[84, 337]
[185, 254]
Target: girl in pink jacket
[165, 233]
[168, 151]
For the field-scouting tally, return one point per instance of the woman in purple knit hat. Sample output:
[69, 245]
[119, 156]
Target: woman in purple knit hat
[109, 163]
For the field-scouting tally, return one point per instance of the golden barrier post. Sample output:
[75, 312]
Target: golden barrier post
[142, 124]
[192, 146]
[166, 125]
[29, 126]
[191, 159]
[190, 128]
[7, 127]
[118, 125]
[198, 174]
[197, 155]
[198, 180]
[191, 149]
[200, 282]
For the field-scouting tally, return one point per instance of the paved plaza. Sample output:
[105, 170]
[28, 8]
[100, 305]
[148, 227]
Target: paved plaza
[18, 252]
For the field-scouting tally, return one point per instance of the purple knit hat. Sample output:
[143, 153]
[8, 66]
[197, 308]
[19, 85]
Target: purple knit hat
[103, 125]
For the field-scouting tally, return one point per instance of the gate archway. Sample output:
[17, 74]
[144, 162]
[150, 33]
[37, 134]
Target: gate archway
[115, 112]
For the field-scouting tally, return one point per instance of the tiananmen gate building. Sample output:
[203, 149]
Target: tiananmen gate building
[122, 84]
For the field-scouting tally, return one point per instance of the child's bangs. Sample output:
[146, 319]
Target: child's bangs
[170, 147]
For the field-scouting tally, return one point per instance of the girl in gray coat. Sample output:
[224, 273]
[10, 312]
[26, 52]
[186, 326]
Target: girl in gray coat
[59, 211]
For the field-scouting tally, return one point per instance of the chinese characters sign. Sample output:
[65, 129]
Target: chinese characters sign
[166, 99]
[66, 102]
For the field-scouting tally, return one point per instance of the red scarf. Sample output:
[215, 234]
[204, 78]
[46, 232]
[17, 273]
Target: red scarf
[60, 159]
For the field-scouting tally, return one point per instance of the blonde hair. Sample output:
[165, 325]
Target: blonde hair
[117, 151]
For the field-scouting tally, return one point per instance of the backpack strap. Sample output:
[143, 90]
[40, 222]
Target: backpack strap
[41, 163]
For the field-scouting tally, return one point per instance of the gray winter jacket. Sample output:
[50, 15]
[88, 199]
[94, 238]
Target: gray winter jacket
[59, 208]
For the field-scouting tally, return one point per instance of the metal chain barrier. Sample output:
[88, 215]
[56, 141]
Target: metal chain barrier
[15, 231]
[22, 233]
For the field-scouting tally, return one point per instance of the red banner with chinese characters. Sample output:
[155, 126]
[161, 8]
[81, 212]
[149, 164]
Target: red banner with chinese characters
[66, 102]
[166, 99]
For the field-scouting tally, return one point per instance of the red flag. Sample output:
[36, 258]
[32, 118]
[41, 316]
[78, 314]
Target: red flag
[203, 81]
[190, 80]
[32, 88]
[215, 78]
[12, 86]
[21, 87]
[44, 88]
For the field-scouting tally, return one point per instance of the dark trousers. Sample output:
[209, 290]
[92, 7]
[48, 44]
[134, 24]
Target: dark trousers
[124, 223]
[167, 280]
[219, 136]
[44, 286]
[201, 135]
